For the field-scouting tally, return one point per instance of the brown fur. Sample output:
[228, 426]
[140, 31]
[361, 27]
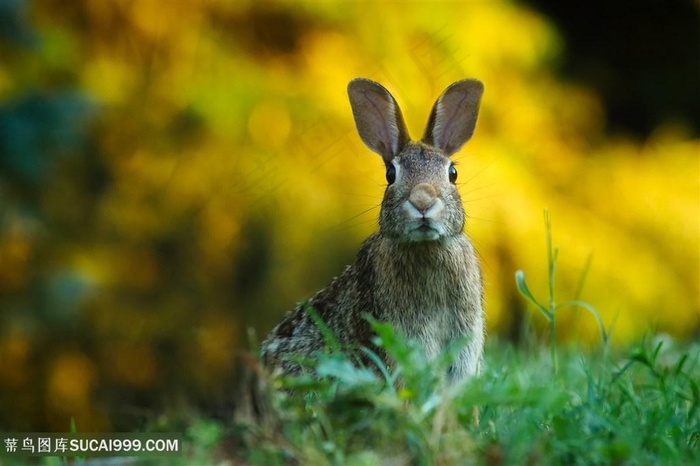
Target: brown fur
[419, 272]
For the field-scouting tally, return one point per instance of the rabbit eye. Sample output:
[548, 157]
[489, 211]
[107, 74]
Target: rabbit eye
[452, 173]
[391, 174]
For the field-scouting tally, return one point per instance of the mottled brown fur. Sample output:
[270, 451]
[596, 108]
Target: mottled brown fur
[419, 272]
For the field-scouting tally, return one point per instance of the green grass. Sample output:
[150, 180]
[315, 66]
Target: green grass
[638, 406]
[552, 308]
[641, 407]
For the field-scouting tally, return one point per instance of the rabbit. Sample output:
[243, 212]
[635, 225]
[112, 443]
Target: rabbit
[419, 272]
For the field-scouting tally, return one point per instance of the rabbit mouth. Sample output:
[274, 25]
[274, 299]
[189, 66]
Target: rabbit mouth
[423, 232]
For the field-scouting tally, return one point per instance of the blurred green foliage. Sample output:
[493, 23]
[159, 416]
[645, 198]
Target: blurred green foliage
[172, 174]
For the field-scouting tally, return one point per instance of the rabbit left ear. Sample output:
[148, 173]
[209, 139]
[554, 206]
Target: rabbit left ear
[378, 118]
[453, 117]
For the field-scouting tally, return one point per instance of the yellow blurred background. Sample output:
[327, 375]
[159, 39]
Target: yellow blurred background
[174, 173]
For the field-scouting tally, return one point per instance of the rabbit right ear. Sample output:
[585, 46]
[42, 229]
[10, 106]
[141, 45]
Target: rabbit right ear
[378, 118]
[453, 118]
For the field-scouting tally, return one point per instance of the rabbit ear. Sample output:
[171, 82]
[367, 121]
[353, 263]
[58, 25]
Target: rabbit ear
[453, 117]
[378, 118]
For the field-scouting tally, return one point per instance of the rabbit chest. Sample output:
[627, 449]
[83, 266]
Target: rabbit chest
[430, 291]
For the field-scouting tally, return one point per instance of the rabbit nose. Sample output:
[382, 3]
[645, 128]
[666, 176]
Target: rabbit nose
[422, 197]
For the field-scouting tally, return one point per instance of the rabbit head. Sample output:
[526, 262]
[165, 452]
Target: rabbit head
[421, 202]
